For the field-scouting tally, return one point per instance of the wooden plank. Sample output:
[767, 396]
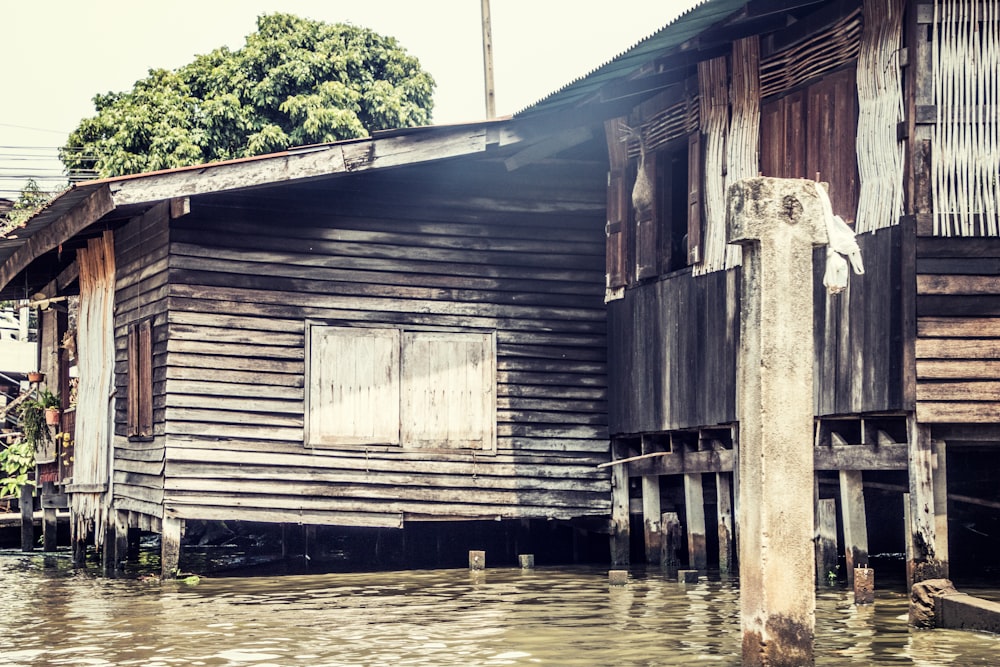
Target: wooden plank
[860, 457]
[958, 348]
[956, 284]
[984, 412]
[959, 391]
[958, 369]
[958, 327]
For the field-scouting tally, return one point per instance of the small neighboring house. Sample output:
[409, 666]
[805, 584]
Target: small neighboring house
[372, 333]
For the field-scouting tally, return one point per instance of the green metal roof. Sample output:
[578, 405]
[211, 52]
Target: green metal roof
[690, 24]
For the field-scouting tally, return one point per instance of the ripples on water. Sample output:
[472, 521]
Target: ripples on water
[55, 615]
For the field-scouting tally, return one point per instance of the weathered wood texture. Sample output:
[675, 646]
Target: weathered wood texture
[672, 345]
[141, 248]
[958, 330]
[461, 247]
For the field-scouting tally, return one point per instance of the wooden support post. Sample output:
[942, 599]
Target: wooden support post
[925, 562]
[670, 527]
[78, 541]
[907, 541]
[854, 520]
[50, 522]
[941, 504]
[777, 222]
[27, 502]
[687, 576]
[132, 552]
[826, 540]
[108, 549]
[651, 517]
[619, 516]
[170, 546]
[694, 509]
[121, 545]
[725, 514]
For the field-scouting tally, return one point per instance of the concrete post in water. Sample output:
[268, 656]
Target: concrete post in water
[617, 577]
[170, 546]
[694, 508]
[852, 507]
[925, 561]
[619, 512]
[477, 560]
[826, 541]
[687, 576]
[778, 222]
[864, 585]
[526, 561]
[670, 527]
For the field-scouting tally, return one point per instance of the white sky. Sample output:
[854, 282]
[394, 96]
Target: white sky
[55, 55]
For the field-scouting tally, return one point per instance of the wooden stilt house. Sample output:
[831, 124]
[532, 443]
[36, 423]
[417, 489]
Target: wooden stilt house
[372, 333]
[891, 103]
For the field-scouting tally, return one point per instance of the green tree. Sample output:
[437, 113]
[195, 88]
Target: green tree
[295, 82]
[30, 201]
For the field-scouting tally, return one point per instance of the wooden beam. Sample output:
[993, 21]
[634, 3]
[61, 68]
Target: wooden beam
[91, 209]
[548, 147]
[860, 457]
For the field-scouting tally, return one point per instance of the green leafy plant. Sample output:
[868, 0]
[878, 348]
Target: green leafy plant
[16, 463]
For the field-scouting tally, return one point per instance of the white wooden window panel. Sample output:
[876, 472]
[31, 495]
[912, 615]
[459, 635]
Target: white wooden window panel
[353, 386]
[448, 398]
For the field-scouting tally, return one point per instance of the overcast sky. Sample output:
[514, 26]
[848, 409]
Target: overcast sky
[55, 55]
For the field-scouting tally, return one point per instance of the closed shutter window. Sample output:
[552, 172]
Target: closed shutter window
[140, 380]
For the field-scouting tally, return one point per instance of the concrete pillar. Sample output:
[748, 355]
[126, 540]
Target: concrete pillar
[670, 529]
[826, 540]
[864, 585]
[941, 503]
[121, 539]
[854, 519]
[170, 546]
[694, 509]
[619, 516]
[924, 562]
[477, 560]
[725, 515]
[526, 561]
[778, 222]
[651, 517]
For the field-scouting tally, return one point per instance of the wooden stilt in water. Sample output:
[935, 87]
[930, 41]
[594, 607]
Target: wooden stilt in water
[854, 518]
[170, 546]
[725, 515]
[670, 527]
[826, 540]
[121, 545]
[27, 502]
[50, 522]
[619, 516]
[78, 542]
[694, 508]
[133, 535]
[108, 549]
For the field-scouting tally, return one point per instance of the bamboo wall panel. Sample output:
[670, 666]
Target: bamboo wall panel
[404, 250]
[958, 328]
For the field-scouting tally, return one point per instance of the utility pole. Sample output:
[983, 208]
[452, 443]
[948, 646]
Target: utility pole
[491, 103]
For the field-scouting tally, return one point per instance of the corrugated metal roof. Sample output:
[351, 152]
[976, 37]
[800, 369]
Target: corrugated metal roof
[686, 26]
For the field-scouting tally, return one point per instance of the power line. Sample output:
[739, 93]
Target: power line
[34, 129]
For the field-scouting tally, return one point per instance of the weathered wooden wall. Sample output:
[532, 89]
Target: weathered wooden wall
[451, 247]
[673, 345]
[958, 330]
[140, 293]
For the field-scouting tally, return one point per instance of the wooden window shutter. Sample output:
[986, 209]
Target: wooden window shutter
[448, 385]
[353, 387]
[694, 250]
[132, 391]
[616, 230]
[139, 394]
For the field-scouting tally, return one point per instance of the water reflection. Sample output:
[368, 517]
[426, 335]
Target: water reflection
[55, 615]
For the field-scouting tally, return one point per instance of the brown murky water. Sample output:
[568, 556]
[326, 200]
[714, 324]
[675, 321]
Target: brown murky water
[55, 615]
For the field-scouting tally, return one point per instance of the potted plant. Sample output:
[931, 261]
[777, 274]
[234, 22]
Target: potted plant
[32, 418]
[35, 377]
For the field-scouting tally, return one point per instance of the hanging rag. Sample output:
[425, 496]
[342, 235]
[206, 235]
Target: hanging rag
[841, 243]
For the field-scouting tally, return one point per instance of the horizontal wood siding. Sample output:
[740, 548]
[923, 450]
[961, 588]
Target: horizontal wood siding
[673, 345]
[672, 353]
[958, 330]
[455, 247]
[141, 254]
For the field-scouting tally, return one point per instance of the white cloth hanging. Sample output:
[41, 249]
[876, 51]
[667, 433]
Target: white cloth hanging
[841, 244]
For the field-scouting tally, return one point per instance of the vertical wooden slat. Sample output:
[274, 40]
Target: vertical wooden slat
[694, 244]
[145, 373]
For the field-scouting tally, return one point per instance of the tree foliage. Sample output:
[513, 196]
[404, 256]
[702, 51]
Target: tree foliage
[28, 203]
[295, 82]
